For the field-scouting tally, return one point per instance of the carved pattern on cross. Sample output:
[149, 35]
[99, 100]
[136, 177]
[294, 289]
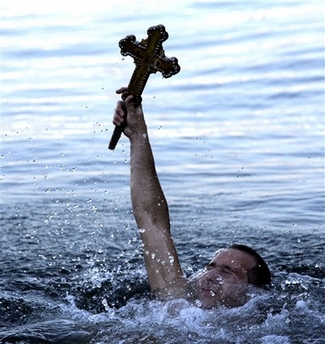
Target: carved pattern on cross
[149, 57]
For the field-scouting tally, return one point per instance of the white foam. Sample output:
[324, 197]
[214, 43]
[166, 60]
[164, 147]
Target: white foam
[273, 339]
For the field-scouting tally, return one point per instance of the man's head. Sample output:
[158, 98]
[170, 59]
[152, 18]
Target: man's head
[226, 278]
[259, 275]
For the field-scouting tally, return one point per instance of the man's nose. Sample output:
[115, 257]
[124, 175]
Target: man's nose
[214, 275]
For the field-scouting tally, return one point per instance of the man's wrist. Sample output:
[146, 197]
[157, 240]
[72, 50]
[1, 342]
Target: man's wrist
[139, 137]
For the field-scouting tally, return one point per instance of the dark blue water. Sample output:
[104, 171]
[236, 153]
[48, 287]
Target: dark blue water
[238, 137]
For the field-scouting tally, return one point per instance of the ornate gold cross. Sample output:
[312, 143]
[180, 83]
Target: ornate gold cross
[149, 57]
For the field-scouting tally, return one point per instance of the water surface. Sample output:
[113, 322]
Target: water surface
[238, 137]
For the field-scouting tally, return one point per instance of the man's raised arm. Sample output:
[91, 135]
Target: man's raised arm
[149, 205]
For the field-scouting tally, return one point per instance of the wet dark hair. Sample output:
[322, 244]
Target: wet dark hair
[259, 275]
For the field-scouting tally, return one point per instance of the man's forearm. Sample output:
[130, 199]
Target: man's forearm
[149, 203]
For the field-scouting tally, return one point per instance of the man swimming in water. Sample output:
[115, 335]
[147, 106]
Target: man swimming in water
[226, 279]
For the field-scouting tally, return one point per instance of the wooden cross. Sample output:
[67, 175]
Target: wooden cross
[149, 57]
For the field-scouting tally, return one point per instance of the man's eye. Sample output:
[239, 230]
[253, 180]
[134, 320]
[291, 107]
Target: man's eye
[227, 271]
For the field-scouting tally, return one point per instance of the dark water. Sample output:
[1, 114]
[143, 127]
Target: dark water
[238, 137]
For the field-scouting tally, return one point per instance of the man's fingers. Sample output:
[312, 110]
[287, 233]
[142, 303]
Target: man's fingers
[121, 90]
[119, 113]
[129, 101]
[120, 108]
[117, 120]
[123, 107]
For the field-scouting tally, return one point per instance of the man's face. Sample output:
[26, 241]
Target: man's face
[225, 279]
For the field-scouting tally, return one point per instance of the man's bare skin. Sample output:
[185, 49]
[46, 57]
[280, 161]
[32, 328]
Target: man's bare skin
[225, 280]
